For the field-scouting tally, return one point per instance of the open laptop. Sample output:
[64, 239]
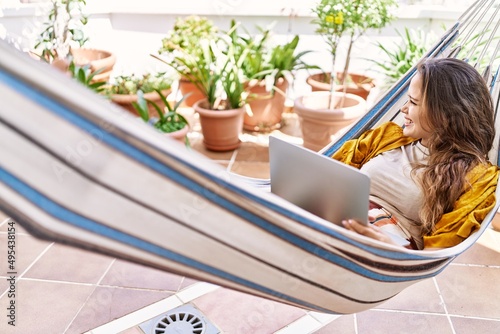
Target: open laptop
[321, 185]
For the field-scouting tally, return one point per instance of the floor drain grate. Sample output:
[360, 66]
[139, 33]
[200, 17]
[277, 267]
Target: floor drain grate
[185, 319]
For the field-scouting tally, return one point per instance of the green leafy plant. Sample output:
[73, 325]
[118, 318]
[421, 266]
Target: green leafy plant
[261, 61]
[62, 29]
[132, 84]
[86, 76]
[400, 58]
[184, 38]
[167, 122]
[334, 18]
[214, 67]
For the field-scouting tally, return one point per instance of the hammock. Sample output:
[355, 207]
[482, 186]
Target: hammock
[78, 170]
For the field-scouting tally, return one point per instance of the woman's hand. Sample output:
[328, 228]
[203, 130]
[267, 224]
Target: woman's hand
[369, 230]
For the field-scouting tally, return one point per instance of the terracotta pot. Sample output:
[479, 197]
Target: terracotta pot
[125, 101]
[98, 59]
[264, 109]
[318, 123]
[179, 135]
[221, 129]
[359, 85]
[186, 86]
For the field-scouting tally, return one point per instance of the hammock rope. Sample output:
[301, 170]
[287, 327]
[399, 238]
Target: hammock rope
[78, 170]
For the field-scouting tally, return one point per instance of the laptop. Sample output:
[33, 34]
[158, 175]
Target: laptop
[319, 184]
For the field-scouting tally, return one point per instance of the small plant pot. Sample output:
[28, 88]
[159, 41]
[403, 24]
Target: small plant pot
[359, 85]
[186, 87]
[179, 135]
[264, 109]
[125, 101]
[318, 123]
[98, 59]
[221, 129]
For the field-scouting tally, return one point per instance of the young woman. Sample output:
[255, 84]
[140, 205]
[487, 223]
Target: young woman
[431, 181]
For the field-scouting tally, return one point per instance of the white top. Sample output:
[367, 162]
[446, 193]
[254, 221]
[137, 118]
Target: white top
[393, 188]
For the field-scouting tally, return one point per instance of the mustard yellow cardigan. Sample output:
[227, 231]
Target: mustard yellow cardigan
[470, 208]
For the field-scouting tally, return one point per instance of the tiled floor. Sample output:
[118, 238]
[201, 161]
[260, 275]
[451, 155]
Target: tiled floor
[60, 289]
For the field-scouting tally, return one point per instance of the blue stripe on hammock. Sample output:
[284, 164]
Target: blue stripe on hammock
[154, 164]
[85, 223]
[75, 219]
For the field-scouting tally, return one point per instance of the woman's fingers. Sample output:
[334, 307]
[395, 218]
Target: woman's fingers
[369, 230]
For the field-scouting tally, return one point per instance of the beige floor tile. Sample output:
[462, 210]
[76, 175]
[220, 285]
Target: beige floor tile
[471, 291]
[486, 251]
[3, 227]
[27, 249]
[127, 274]
[4, 284]
[469, 325]
[107, 304]
[186, 282]
[44, 307]
[422, 296]
[217, 156]
[341, 325]
[253, 152]
[65, 263]
[235, 312]
[259, 170]
[374, 322]
[133, 330]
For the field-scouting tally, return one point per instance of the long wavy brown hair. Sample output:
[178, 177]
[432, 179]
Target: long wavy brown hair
[459, 110]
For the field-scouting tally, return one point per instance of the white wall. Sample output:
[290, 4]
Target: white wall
[134, 29]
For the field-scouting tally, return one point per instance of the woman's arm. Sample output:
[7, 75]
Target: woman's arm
[369, 230]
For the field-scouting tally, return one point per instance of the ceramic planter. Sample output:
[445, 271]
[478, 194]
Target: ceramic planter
[179, 135]
[359, 85]
[221, 129]
[98, 59]
[264, 109]
[318, 123]
[125, 101]
[186, 87]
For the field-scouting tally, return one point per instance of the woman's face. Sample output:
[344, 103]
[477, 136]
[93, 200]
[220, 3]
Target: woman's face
[415, 122]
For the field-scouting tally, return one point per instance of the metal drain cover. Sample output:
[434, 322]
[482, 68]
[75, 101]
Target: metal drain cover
[185, 319]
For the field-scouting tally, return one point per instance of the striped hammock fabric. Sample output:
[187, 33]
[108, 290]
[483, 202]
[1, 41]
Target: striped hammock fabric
[78, 170]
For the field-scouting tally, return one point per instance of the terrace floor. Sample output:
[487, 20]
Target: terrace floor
[61, 289]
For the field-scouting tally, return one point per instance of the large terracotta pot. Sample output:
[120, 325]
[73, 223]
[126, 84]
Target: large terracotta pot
[186, 87]
[221, 129]
[318, 123]
[98, 59]
[264, 109]
[358, 84]
[125, 101]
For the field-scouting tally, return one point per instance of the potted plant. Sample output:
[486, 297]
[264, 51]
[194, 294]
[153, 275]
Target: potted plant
[268, 70]
[334, 18]
[323, 114]
[62, 39]
[214, 68]
[123, 90]
[183, 41]
[402, 56]
[85, 76]
[171, 122]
